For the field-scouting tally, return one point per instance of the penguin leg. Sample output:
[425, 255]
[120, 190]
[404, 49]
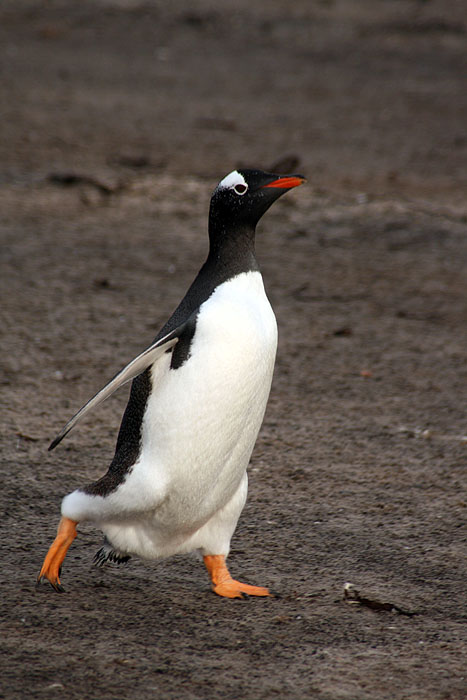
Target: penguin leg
[50, 571]
[222, 582]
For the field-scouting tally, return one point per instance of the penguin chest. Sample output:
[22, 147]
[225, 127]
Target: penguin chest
[203, 418]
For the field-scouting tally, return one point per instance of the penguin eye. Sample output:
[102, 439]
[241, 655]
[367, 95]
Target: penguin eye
[240, 188]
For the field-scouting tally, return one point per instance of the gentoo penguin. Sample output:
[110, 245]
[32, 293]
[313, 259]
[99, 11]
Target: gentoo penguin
[178, 479]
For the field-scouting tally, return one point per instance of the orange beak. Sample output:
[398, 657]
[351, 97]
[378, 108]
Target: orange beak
[287, 183]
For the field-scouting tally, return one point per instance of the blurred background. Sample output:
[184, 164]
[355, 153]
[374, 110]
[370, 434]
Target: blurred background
[369, 94]
[117, 120]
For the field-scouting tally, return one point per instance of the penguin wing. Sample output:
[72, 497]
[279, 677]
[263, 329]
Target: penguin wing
[132, 370]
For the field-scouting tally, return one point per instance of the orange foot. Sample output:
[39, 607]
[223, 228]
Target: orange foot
[222, 582]
[66, 533]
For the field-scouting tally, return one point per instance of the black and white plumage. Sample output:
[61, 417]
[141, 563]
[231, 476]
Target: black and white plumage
[178, 480]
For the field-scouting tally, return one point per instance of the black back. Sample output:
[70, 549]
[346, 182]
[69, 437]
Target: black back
[232, 224]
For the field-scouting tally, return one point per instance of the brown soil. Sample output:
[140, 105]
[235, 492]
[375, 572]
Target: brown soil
[358, 470]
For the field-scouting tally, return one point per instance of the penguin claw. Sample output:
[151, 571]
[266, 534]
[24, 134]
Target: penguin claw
[56, 585]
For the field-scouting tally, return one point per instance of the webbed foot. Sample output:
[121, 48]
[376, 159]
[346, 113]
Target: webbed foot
[224, 585]
[52, 565]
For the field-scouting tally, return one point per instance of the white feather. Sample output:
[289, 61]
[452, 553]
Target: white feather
[189, 485]
[231, 180]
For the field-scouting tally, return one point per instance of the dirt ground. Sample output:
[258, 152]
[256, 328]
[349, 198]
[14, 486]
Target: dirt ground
[359, 470]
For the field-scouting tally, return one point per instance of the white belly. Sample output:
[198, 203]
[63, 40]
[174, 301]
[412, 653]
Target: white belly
[200, 424]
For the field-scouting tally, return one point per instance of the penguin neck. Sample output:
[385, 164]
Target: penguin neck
[231, 248]
[231, 253]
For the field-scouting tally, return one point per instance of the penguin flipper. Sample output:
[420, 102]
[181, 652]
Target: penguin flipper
[132, 370]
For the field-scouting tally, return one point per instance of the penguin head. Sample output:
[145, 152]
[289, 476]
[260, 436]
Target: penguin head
[243, 196]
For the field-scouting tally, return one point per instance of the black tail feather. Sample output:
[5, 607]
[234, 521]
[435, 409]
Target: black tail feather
[107, 554]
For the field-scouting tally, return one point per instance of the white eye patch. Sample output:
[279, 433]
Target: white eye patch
[233, 181]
